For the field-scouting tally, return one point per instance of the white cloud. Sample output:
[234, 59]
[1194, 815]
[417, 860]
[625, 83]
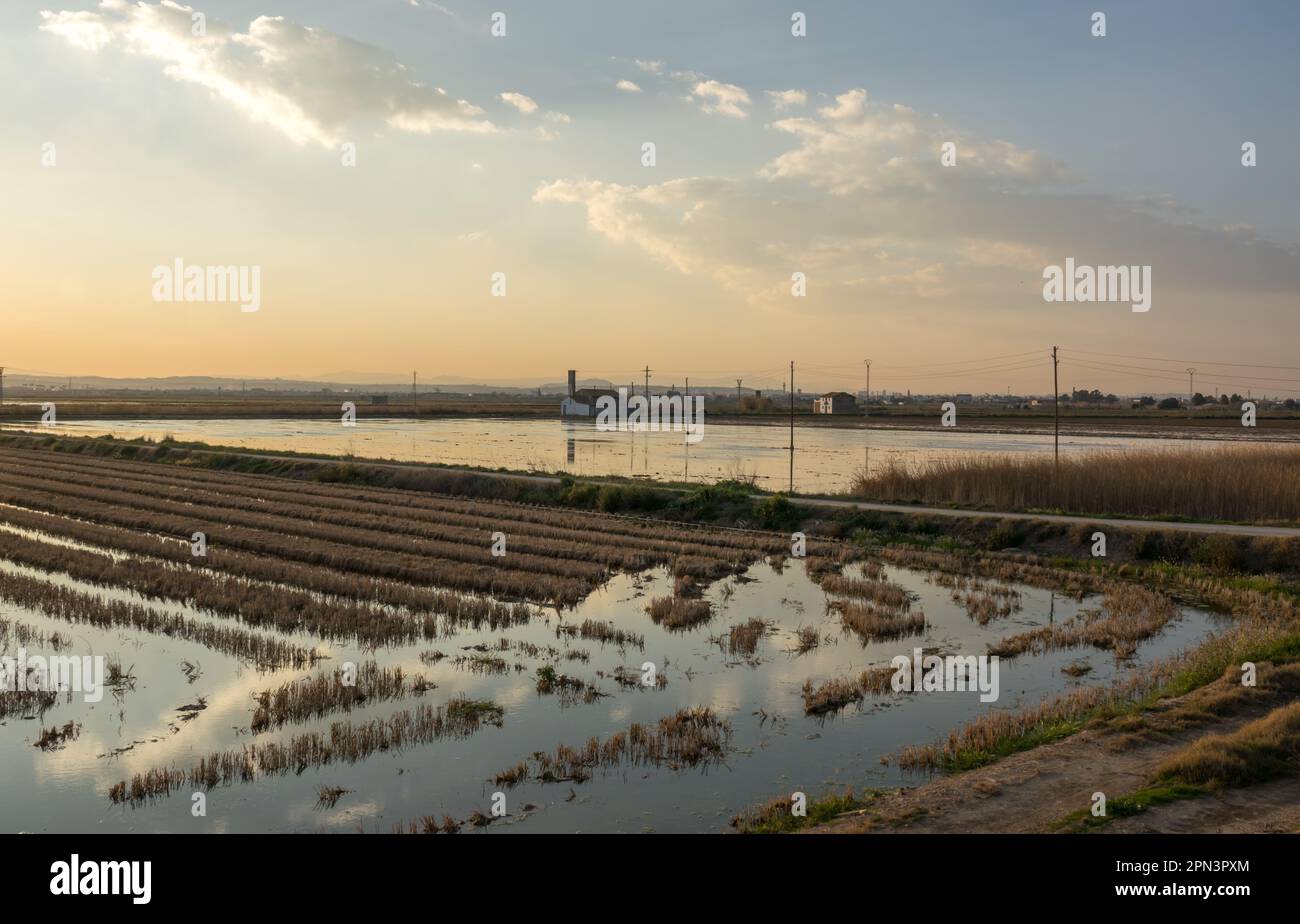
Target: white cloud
[725, 98]
[855, 145]
[650, 67]
[82, 29]
[628, 86]
[787, 99]
[862, 202]
[524, 104]
[309, 84]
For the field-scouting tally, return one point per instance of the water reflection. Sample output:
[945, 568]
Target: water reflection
[825, 459]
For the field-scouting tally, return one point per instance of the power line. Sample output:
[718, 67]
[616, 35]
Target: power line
[1203, 362]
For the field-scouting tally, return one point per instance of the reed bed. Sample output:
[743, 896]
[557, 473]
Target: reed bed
[742, 640]
[608, 633]
[329, 796]
[630, 679]
[688, 738]
[305, 521]
[30, 702]
[345, 742]
[831, 696]
[674, 612]
[569, 690]
[1264, 486]
[64, 603]
[51, 739]
[19, 633]
[483, 663]
[257, 604]
[480, 512]
[1129, 615]
[806, 638]
[392, 559]
[872, 622]
[877, 680]
[1007, 570]
[257, 589]
[882, 593]
[835, 694]
[318, 696]
[554, 536]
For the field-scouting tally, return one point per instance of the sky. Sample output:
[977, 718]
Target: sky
[378, 161]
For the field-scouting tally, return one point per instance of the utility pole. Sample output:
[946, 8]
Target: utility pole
[2, 384]
[1056, 403]
[415, 402]
[868, 401]
[792, 426]
[738, 381]
[1191, 379]
[647, 386]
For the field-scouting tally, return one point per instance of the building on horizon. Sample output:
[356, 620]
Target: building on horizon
[835, 402]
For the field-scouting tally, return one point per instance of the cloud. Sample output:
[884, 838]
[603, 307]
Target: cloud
[308, 83]
[429, 4]
[650, 67]
[854, 145]
[787, 99]
[862, 204]
[82, 29]
[628, 86]
[669, 221]
[524, 104]
[724, 98]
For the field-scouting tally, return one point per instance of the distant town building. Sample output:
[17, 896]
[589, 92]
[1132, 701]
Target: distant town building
[835, 402]
[581, 402]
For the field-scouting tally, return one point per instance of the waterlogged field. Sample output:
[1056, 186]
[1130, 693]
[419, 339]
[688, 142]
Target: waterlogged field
[826, 459]
[355, 659]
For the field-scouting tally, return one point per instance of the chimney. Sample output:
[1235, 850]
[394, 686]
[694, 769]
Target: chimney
[573, 381]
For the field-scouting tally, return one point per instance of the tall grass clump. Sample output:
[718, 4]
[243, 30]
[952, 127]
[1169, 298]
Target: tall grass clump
[1258, 484]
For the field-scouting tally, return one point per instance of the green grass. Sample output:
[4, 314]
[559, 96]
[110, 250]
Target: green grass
[775, 817]
[1128, 805]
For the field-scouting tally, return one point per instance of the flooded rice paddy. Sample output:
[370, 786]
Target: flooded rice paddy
[826, 459]
[182, 701]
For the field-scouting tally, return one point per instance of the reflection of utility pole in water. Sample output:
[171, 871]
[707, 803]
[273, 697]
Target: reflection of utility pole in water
[571, 445]
[792, 426]
[1051, 613]
[686, 443]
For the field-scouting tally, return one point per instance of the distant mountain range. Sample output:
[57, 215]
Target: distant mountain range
[346, 380]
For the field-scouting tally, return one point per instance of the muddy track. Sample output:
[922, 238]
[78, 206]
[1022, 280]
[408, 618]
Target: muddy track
[1033, 790]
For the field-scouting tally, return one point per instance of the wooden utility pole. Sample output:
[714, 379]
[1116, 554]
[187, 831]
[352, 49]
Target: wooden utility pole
[1056, 403]
[647, 387]
[1191, 386]
[415, 402]
[738, 381]
[792, 426]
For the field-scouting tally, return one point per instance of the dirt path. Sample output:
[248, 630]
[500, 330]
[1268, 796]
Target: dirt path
[1032, 790]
